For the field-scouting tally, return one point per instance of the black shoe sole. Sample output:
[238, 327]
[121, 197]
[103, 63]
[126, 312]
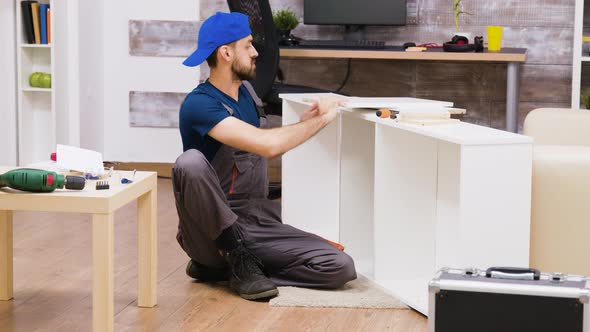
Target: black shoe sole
[262, 295]
[188, 268]
[205, 276]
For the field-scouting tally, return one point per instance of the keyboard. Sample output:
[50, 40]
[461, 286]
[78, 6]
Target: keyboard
[346, 44]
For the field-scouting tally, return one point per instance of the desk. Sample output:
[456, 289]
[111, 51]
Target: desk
[102, 204]
[512, 56]
[406, 200]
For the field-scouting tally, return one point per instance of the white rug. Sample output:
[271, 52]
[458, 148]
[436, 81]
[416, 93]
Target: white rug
[359, 293]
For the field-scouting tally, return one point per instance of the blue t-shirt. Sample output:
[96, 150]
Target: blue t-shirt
[203, 108]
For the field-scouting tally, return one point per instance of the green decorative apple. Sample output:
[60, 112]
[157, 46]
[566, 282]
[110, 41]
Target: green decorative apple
[34, 79]
[45, 81]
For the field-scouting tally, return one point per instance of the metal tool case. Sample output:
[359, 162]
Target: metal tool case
[508, 299]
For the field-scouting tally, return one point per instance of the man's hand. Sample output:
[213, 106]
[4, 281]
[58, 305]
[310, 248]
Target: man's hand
[310, 113]
[326, 106]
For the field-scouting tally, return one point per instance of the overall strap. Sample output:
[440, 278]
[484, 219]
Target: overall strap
[257, 101]
[228, 109]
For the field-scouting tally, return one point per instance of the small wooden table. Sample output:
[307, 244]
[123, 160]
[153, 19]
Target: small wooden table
[102, 205]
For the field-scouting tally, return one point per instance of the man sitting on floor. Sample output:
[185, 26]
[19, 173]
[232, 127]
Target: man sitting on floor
[227, 226]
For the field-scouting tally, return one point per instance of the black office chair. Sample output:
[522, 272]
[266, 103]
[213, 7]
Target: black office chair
[266, 43]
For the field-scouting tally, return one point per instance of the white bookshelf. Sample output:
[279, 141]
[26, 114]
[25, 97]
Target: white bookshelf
[578, 58]
[47, 117]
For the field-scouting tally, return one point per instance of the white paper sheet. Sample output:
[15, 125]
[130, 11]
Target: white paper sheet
[77, 159]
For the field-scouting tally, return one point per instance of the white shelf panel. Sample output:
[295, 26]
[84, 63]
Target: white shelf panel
[406, 290]
[29, 89]
[35, 45]
[585, 58]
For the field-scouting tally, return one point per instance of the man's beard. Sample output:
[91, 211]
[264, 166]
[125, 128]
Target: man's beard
[242, 73]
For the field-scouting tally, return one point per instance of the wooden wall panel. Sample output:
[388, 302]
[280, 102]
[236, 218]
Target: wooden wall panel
[324, 74]
[178, 39]
[375, 78]
[545, 27]
[515, 13]
[162, 38]
[478, 111]
[546, 84]
[154, 109]
[460, 80]
[210, 7]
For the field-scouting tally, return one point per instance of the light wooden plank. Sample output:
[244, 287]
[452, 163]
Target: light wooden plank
[423, 56]
[147, 257]
[162, 38]
[103, 279]
[155, 109]
[6, 255]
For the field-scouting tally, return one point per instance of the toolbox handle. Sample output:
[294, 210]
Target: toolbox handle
[516, 273]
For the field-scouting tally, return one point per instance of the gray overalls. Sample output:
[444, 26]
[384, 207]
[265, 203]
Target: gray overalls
[233, 189]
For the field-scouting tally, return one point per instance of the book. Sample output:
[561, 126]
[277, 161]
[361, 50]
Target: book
[48, 25]
[35, 16]
[28, 33]
[43, 22]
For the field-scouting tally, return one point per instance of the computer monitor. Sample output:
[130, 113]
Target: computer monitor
[354, 14]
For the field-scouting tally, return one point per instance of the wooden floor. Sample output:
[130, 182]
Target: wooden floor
[53, 284]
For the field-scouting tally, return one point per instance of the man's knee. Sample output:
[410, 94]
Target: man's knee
[192, 164]
[333, 270]
[343, 270]
[191, 170]
[191, 160]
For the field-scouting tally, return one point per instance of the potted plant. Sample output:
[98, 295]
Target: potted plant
[457, 13]
[585, 98]
[285, 21]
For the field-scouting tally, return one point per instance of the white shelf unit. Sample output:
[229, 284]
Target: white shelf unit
[47, 117]
[406, 200]
[578, 56]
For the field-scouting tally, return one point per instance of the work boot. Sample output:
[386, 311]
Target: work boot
[202, 272]
[247, 278]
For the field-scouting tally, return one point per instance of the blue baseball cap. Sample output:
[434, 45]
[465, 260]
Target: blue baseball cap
[217, 30]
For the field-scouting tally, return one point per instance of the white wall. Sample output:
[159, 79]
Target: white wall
[8, 142]
[91, 41]
[122, 73]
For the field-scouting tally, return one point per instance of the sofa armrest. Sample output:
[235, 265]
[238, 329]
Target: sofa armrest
[558, 126]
